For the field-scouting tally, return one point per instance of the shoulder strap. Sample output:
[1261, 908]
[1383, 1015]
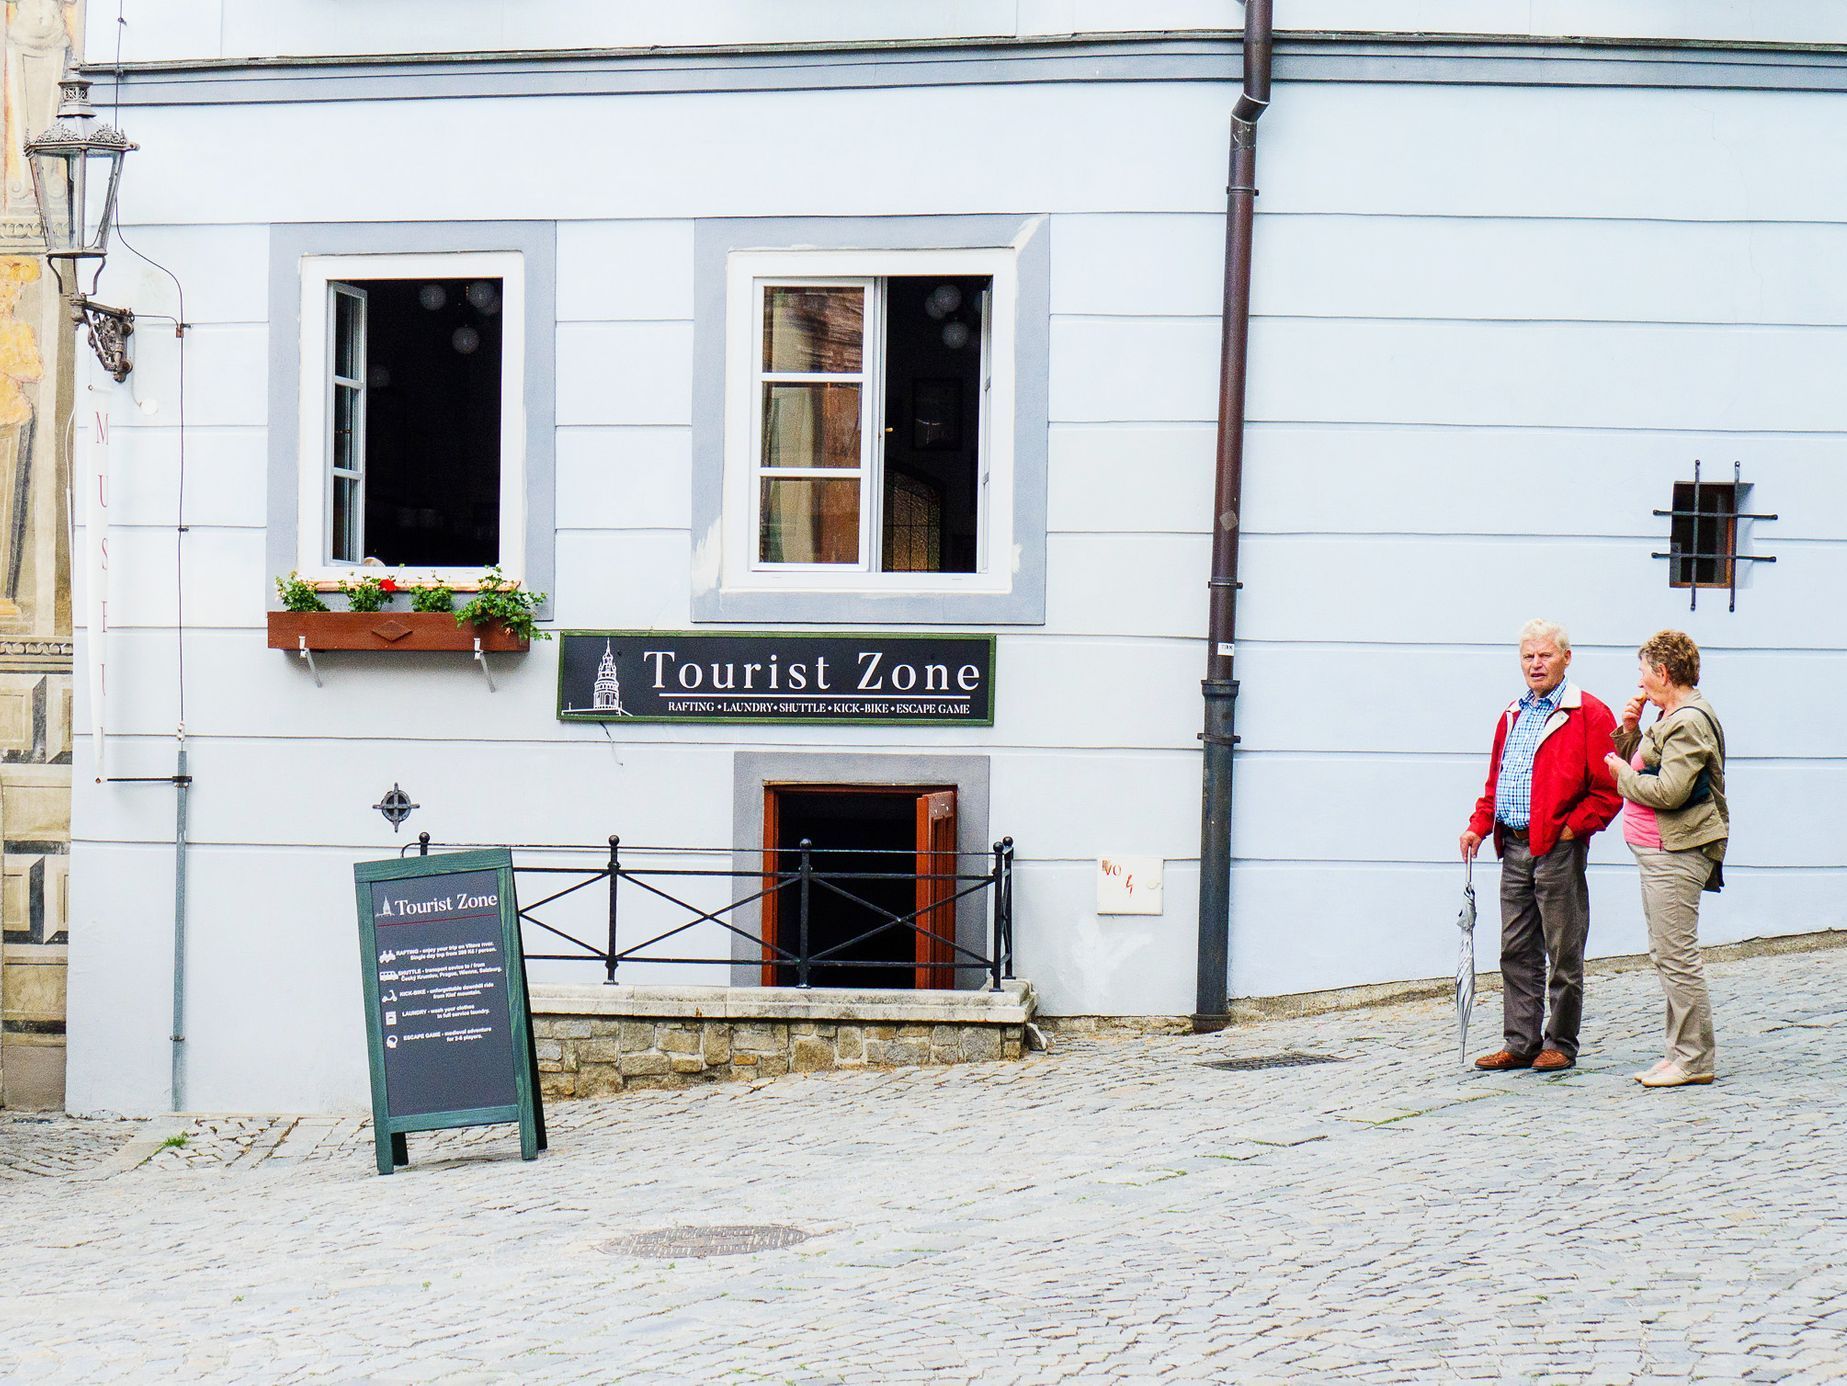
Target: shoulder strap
[1717, 730]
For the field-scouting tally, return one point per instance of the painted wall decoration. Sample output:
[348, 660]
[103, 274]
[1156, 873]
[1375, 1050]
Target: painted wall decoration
[35, 579]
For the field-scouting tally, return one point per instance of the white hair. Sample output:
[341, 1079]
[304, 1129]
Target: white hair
[1538, 629]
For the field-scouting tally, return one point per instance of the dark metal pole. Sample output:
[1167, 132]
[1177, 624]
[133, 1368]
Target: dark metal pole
[423, 844]
[1000, 859]
[1220, 687]
[1007, 892]
[801, 962]
[183, 782]
[615, 868]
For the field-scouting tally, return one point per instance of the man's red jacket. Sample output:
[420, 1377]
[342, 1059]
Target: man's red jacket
[1572, 787]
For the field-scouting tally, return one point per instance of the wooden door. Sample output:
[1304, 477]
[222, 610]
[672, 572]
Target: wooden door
[936, 910]
[773, 912]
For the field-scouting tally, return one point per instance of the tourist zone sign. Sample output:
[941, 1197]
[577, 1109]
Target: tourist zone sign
[774, 676]
[448, 1026]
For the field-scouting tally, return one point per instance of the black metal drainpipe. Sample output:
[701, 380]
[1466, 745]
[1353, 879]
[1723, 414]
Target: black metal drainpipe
[1220, 687]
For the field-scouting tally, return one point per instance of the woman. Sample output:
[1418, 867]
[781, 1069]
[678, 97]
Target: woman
[1672, 779]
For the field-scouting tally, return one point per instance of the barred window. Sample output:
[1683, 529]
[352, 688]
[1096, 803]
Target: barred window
[1705, 537]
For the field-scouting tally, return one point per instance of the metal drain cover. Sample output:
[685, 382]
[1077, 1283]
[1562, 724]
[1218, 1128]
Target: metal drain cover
[1290, 1059]
[674, 1242]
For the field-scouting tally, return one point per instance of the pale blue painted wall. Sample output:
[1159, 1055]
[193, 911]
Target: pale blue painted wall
[1494, 326]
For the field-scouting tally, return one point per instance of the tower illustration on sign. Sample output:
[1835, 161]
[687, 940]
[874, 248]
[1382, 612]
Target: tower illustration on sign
[607, 694]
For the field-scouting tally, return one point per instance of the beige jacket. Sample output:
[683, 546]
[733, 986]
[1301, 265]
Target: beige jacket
[1681, 744]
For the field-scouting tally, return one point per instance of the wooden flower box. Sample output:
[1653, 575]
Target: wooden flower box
[384, 630]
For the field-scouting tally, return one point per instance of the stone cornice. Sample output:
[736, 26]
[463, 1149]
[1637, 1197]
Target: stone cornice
[1209, 56]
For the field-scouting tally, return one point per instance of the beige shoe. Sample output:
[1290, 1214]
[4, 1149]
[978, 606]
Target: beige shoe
[1648, 1073]
[1672, 1076]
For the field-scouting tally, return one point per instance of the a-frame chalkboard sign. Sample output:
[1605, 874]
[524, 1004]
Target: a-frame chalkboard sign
[448, 1025]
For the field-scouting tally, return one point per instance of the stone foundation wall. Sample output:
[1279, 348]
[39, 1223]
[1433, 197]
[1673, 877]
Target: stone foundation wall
[593, 1056]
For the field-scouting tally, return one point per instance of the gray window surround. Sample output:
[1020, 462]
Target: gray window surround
[751, 771]
[290, 243]
[1024, 602]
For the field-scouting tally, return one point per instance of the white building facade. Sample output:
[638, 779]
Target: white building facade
[694, 263]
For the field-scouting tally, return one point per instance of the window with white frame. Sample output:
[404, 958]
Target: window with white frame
[869, 404]
[412, 423]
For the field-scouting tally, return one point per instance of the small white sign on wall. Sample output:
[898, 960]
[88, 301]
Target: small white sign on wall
[1129, 885]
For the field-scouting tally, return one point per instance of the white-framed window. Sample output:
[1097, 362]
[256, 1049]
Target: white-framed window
[413, 429]
[869, 420]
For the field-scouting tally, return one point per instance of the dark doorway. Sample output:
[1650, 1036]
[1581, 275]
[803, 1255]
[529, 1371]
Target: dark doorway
[905, 835]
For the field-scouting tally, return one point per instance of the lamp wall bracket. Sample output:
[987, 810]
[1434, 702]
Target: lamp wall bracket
[109, 330]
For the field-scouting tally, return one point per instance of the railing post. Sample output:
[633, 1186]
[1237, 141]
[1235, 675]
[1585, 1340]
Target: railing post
[995, 950]
[1007, 891]
[801, 962]
[615, 873]
[423, 844]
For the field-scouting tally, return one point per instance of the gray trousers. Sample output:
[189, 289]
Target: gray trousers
[1671, 885]
[1545, 915]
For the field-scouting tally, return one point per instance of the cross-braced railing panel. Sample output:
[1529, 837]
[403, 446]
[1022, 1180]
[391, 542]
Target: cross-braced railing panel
[644, 907]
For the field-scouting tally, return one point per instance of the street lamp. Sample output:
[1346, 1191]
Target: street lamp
[76, 170]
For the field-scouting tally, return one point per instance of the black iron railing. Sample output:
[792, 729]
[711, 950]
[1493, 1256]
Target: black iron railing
[788, 883]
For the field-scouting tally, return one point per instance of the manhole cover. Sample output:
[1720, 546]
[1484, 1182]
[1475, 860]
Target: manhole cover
[676, 1242]
[1289, 1060]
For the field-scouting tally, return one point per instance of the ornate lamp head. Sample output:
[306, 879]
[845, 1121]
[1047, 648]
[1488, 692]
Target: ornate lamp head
[76, 173]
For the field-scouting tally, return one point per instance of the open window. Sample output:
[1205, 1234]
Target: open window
[1704, 534]
[870, 400]
[412, 433]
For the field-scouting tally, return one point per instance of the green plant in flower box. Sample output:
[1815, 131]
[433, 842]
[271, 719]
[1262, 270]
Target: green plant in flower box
[432, 597]
[501, 598]
[298, 594]
[369, 593]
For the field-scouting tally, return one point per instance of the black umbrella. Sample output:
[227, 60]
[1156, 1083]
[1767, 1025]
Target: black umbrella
[1465, 963]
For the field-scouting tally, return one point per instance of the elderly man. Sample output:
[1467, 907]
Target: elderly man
[1548, 791]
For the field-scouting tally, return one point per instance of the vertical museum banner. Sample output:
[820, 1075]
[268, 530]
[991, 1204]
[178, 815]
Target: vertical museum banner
[94, 479]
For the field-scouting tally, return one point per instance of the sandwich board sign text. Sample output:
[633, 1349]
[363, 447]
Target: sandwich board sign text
[448, 1028]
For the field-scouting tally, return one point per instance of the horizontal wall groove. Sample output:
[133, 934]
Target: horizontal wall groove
[1446, 320]
[668, 737]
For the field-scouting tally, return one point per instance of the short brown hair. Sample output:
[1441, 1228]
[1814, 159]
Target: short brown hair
[1674, 649]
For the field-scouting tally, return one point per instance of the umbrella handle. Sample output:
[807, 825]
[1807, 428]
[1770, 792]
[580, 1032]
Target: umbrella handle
[1468, 871]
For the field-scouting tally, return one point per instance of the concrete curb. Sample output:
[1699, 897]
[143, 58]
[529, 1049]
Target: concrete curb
[1247, 1010]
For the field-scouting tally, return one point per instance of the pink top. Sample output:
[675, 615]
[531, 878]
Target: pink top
[1639, 826]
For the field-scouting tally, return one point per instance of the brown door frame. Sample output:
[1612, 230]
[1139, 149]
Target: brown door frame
[932, 895]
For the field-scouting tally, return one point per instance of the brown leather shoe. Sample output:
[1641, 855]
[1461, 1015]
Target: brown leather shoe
[1552, 1060]
[1503, 1059]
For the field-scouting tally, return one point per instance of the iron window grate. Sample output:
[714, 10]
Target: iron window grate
[1702, 548]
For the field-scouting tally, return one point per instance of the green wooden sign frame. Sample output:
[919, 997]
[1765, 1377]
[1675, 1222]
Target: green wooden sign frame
[527, 1109]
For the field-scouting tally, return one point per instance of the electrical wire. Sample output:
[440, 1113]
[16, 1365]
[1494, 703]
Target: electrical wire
[180, 327]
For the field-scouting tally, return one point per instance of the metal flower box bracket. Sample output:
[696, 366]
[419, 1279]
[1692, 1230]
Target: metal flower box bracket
[306, 632]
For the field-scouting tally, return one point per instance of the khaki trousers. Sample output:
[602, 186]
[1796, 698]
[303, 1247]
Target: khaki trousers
[1671, 884]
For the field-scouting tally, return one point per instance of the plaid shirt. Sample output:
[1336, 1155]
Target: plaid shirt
[1513, 790]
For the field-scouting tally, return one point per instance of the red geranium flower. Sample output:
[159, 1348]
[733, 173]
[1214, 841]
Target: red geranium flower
[388, 585]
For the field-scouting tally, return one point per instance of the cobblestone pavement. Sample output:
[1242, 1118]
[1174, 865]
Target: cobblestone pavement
[1113, 1211]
